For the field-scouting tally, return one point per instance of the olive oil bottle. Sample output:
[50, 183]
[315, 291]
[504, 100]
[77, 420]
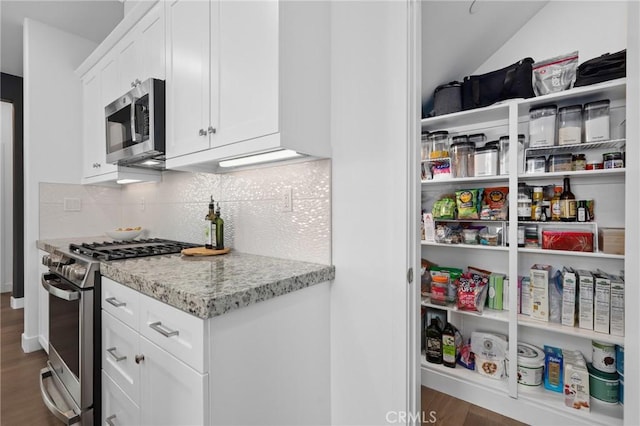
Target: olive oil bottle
[219, 229]
[210, 231]
[449, 345]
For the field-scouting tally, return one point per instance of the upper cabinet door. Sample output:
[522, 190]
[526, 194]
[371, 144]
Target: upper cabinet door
[187, 77]
[151, 31]
[244, 64]
[90, 123]
[129, 62]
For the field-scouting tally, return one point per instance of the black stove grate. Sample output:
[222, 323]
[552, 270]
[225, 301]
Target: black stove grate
[115, 250]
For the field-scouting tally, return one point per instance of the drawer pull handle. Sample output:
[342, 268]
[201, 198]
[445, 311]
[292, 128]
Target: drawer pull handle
[112, 352]
[109, 420]
[113, 301]
[139, 359]
[157, 326]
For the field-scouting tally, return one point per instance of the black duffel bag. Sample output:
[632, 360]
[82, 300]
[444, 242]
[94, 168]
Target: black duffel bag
[603, 68]
[510, 82]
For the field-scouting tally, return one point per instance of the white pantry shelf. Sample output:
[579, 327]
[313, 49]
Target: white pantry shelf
[598, 254]
[526, 321]
[466, 246]
[464, 375]
[487, 313]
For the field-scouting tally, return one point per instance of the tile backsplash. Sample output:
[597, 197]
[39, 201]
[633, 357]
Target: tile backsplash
[251, 203]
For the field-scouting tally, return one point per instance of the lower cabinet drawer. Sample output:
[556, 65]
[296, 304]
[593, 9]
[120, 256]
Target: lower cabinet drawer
[117, 407]
[120, 301]
[179, 333]
[120, 345]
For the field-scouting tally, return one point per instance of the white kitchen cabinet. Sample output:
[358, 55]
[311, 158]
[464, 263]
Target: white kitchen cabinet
[153, 384]
[245, 77]
[141, 53]
[119, 409]
[607, 187]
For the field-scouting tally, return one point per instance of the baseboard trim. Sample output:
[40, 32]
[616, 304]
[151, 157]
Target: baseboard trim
[6, 288]
[17, 302]
[30, 344]
[44, 344]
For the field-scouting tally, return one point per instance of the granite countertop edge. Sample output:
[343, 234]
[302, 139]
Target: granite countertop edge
[243, 291]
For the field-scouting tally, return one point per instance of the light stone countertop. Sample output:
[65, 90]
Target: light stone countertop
[208, 286]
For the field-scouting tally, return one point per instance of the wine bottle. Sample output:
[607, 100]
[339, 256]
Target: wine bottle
[210, 230]
[219, 229]
[434, 342]
[568, 211]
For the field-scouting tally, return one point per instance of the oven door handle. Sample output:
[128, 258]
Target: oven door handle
[59, 293]
[68, 417]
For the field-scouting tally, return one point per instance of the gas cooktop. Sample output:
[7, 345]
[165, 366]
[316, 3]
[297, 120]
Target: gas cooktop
[115, 250]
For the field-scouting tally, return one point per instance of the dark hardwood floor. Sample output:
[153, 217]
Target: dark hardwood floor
[20, 400]
[21, 403]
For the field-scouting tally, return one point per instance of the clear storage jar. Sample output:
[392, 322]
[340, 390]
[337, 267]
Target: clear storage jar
[503, 145]
[425, 147]
[596, 121]
[486, 161]
[542, 126]
[462, 156]
[439, 142]
[570, 125]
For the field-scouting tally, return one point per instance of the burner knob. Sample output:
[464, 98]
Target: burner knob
[78, 272]
[46, 260]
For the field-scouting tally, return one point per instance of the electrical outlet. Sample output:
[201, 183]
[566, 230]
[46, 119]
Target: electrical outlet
[142, 205]
[287, 202]
[72, 204]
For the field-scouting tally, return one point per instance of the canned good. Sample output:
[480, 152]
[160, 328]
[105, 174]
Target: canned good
[613, 160]
[594, 165]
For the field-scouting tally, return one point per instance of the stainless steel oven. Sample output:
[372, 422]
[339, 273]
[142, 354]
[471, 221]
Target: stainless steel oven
[68, 383]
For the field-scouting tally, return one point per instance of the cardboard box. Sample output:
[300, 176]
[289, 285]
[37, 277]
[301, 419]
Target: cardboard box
[576, 381]
[567, 240]
[569, 297]
[585, 299]
[525, 295]
[601, 303]
[611, 240]
[539, 289]
[617, 306]
[505, 294]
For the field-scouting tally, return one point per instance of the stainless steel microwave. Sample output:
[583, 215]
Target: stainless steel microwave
[135, 126]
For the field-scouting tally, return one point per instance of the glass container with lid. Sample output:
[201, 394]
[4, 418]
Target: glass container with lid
[486, 161]
[462, 156]
[570, 125]
[542, 126]
[596, 121]
[439, 142]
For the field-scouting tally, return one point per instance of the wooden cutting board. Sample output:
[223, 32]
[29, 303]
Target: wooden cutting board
[203, 251]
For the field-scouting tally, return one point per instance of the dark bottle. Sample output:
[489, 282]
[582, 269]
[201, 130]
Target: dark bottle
[210, 230]
[449, 350]
[219, 229]
[583, 211]
[568, 211]
[434, 342]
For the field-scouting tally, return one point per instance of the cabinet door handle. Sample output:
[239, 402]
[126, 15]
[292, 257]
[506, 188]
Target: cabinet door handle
[139, 359]
[115, 302]
[133, 84]
[157, 326]
[202, 132]
[116, 357]
[109, 420]
[211, 129]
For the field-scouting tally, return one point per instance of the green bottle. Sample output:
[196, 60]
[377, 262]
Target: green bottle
[210, 230]
[449, 345]
[219, 229]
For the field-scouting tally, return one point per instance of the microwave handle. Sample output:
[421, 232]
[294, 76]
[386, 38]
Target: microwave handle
[133, 120]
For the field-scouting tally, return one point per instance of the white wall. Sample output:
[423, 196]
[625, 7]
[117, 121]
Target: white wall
[590, 27]
[6, 197]
[52, 138]
[370, 202]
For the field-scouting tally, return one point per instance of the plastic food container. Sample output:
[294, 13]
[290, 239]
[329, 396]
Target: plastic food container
[536, 164]
[570, 125]
[470, 236]
[560, 163]
[621, 390]
[613, 160]
[439, 142]
[620, 359]
[605, 387]
[439, 289]
[596, 121]
[530, 364]
[425, 147]
[542, 126]
[486, 161]
[462, 155]
[603, 356]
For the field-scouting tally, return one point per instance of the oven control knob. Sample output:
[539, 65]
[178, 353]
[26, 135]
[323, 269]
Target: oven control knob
[78, 272]
[46, 260]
